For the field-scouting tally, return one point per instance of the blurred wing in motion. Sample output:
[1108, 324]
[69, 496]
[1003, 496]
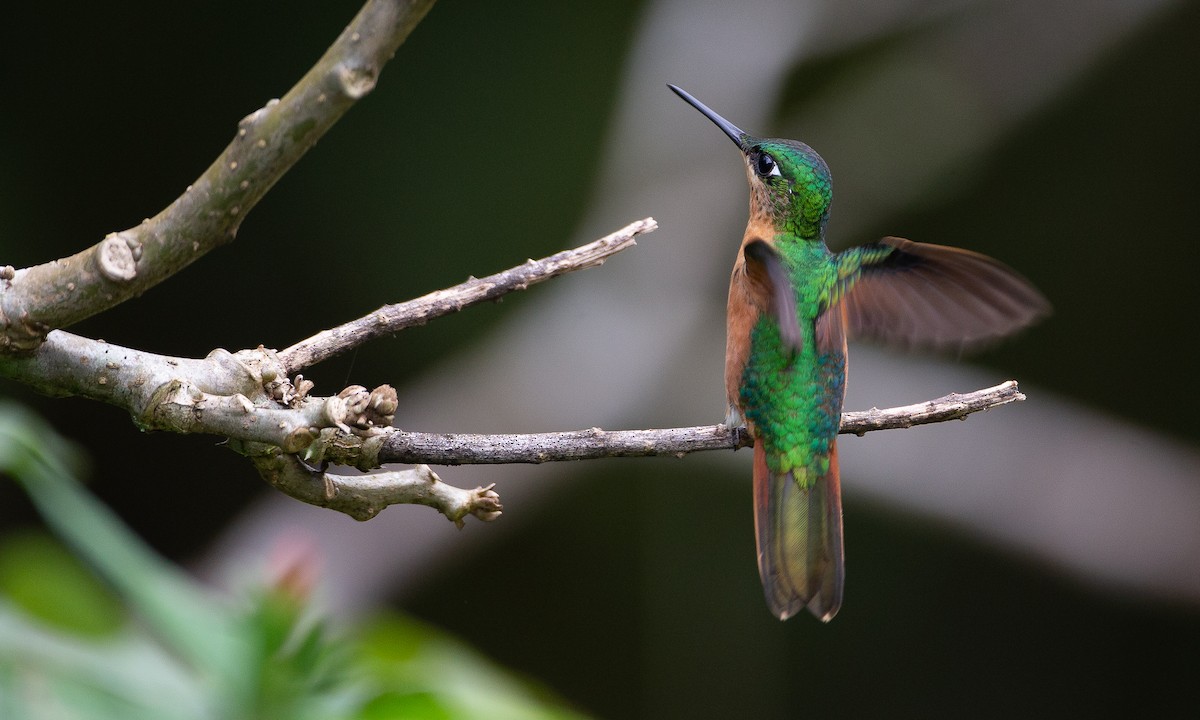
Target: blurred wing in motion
[911, 294]
[769, 278]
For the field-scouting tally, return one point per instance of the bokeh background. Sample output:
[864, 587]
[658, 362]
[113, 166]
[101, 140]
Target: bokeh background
[1039, 560]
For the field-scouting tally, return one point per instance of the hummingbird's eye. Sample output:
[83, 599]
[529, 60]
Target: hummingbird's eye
[765, 165]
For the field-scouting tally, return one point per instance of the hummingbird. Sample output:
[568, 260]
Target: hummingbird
[792, 306]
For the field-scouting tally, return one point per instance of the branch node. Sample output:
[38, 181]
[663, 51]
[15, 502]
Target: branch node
[354, 410]
[485, 504]
[355, 81]
[298, 439]
[252, 119]
[115, 257]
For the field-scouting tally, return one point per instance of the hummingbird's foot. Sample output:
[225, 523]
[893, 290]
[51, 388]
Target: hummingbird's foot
[736, 422]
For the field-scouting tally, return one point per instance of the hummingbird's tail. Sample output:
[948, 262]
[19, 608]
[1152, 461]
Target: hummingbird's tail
[799, 536]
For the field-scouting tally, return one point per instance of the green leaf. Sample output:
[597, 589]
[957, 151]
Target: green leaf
[43, 579]
[416, 705]
[171, 604]
[410, 660]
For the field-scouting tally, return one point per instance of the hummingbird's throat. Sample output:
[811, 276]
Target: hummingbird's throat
[770, 204]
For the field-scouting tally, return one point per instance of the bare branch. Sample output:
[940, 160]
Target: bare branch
[268, 143]
[362, 497]
[393, 318]
[248, 395]
[439, 449]
[955, 406]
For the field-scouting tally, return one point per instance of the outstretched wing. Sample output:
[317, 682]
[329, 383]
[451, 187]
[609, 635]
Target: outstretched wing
[908, 294]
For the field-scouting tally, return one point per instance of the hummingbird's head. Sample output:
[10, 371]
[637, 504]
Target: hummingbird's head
[790, 184]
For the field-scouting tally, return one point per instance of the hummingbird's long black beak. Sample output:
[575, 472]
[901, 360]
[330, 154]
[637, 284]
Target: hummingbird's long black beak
[733, 131]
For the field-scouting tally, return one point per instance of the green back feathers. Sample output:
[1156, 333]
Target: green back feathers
[794, 403]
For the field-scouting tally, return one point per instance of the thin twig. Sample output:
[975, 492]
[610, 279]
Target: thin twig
[362, 497]
[393, 318]
[441, 449]
[224, 393]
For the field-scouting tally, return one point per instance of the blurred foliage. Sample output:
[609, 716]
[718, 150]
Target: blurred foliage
[38, 575]
[163, 647]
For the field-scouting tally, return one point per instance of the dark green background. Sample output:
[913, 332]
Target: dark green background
[108, 113]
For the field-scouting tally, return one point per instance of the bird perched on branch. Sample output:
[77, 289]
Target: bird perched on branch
[792, 305]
